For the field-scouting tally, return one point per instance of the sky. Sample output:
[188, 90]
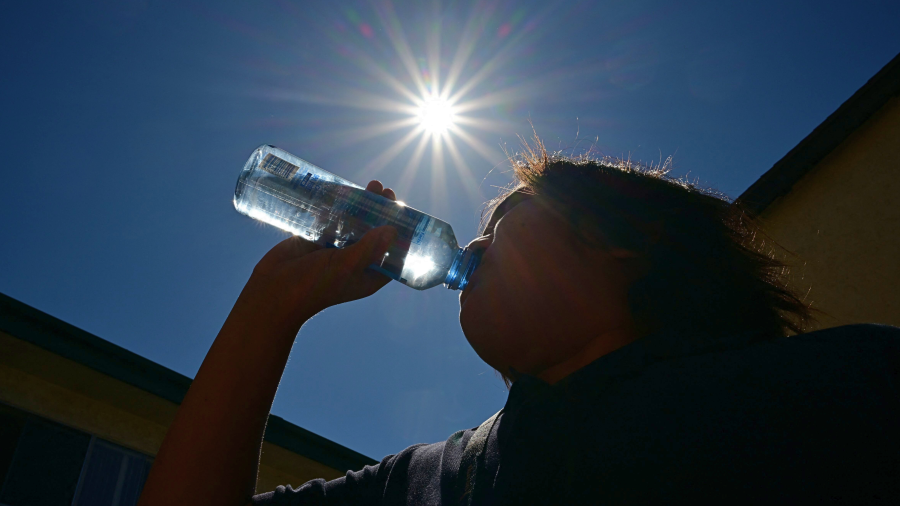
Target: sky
[125, 124]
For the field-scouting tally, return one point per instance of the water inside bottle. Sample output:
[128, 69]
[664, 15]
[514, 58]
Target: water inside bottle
[285, 191]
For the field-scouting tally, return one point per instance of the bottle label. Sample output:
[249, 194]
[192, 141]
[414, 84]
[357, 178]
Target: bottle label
[281, 168]
[425, 226]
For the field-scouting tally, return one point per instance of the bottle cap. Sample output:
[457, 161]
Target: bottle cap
[461, 269]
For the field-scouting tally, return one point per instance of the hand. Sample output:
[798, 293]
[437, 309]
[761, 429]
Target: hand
[211, 452]
[300, 278]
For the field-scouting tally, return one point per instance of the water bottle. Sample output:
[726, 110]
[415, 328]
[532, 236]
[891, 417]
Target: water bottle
[280, 189]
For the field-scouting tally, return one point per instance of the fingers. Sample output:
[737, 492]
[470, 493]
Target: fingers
[297, 246]
[333, 276]
[375, 186]
[373, 245]
[290, 249]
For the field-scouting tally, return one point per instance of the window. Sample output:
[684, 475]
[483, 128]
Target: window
[43, 463]
[45, 466]
[112, 476]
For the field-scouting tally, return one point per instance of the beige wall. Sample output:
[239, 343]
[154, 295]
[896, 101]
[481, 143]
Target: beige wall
[40, 382]
[842, 222]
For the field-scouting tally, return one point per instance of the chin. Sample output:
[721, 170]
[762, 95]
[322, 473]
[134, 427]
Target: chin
[483, 332]
[475, 326]
[469, 310]
[468, 321]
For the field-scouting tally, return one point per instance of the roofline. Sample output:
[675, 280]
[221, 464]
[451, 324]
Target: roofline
[56, 336]
[781, 178]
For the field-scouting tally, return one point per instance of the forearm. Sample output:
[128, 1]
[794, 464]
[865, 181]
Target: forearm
[211, 452]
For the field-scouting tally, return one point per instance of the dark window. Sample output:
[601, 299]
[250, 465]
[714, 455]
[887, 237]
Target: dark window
[113, 476]
[11, 423]
[45, 466]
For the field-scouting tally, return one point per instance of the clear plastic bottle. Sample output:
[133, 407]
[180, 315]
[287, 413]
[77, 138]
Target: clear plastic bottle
[278, 188]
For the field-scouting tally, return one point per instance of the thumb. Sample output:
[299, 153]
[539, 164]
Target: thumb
[373, 245]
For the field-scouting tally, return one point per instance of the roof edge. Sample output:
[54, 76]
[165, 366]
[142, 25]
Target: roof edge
[781, 178]
[56, 336]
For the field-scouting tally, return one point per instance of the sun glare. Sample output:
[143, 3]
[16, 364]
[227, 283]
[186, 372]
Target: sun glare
[417, 266]
[436, 115]
[429, 101]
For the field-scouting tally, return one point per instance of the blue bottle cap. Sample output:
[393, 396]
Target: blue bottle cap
[463, 266]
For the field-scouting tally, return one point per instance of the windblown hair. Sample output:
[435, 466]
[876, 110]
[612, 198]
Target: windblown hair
[710, 273]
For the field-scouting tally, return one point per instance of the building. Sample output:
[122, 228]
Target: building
[82, 418]
[831, 206]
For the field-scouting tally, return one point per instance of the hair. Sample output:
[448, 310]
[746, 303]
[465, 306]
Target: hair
[709, 272]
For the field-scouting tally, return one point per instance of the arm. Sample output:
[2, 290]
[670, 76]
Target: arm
[211, 452]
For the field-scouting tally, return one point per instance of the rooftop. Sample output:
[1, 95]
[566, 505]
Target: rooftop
[781, 178]
[56, 336]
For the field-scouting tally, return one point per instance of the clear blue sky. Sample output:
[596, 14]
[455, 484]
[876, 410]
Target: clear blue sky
[125, 124]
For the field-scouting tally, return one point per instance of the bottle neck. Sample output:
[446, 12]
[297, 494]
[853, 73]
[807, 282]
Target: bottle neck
[464, 264]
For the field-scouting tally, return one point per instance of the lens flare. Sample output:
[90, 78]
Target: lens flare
[440, 95]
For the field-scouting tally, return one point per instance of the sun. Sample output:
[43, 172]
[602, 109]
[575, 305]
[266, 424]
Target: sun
[436, 115]
[428, 101]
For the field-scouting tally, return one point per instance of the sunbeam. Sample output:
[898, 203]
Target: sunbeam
[408, 177]
[462, 169]
[391, 24]
[442, 84]
[389, 154]
[479, 147]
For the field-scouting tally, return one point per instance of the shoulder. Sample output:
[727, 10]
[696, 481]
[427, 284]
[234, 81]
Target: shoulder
[862, 347]
[412, 476]
[856, 363]
[848, 347]
[390, 481]
[841, 346]
[866, 334]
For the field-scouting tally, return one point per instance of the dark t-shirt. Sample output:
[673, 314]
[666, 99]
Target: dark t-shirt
[670, 418]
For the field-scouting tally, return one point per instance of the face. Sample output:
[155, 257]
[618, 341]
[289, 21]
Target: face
[540, 296]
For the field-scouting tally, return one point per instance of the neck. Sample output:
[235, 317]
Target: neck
[603, 344]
